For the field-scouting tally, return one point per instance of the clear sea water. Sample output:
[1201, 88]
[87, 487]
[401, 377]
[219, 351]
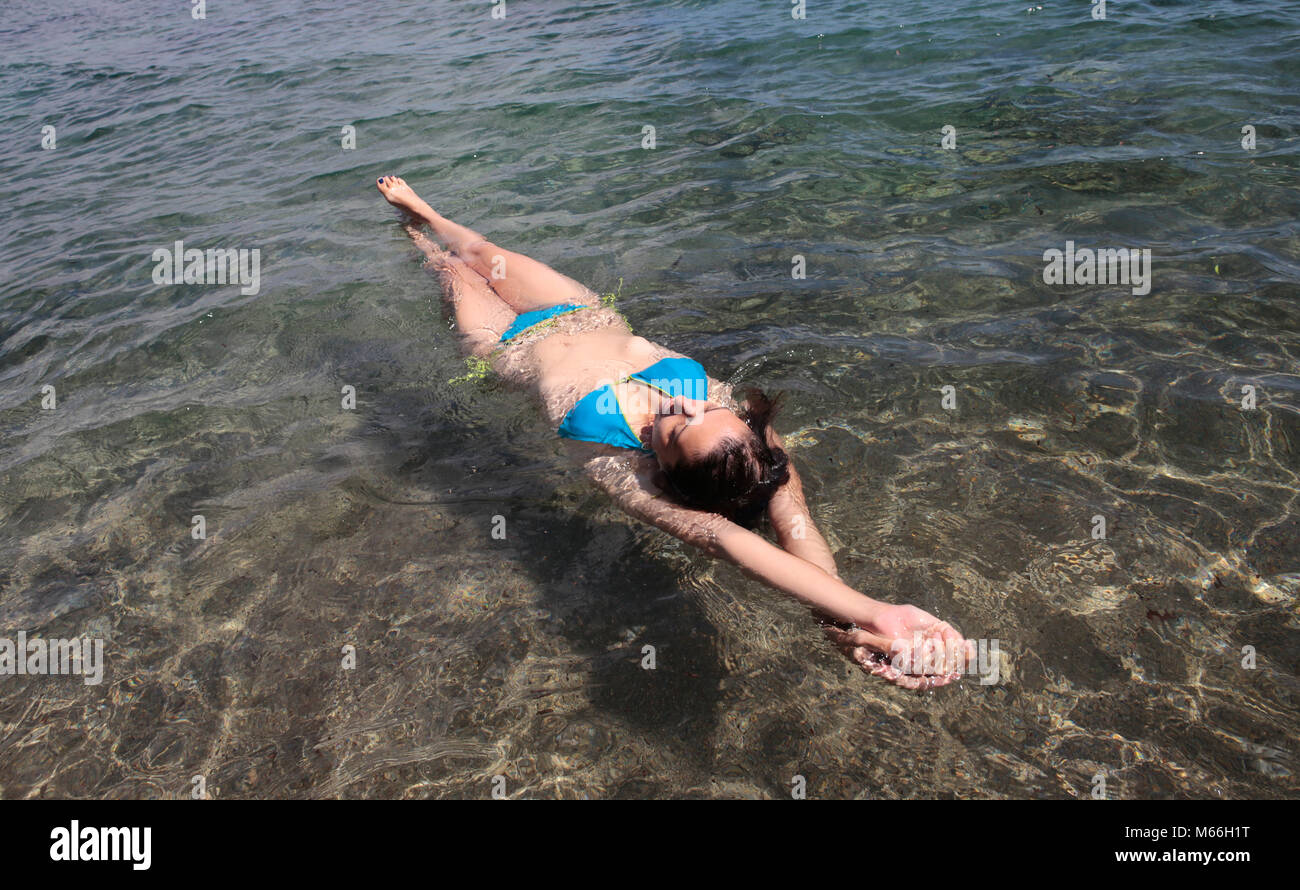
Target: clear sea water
[775, 137]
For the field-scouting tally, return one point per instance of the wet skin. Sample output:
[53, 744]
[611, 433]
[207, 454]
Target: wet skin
[690, 429]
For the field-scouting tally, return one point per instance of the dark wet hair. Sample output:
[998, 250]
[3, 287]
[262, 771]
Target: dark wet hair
[738, 478]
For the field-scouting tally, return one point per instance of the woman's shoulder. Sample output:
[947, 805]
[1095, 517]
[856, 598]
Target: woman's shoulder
[722, 394]
[627, 476]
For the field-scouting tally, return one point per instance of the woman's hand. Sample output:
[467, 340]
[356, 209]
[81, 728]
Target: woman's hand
[906, 646]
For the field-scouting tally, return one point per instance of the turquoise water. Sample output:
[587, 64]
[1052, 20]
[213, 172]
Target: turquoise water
[479, 657]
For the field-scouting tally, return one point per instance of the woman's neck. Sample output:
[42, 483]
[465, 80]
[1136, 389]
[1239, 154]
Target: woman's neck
[640, 405]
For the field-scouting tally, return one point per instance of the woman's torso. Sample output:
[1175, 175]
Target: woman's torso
[579, 354]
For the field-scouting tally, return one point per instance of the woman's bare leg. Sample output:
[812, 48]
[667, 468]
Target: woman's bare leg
[521, 281]
[481, 316]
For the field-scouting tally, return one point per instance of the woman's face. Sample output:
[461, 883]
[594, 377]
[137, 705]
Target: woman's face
[688, 429]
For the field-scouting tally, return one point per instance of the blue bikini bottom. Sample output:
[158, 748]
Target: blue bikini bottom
[526, 320]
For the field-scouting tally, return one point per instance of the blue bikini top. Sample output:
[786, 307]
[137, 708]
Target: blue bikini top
[599, 417]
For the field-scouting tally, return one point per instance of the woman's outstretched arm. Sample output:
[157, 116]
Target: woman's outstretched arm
[793, 524]
[924, 651]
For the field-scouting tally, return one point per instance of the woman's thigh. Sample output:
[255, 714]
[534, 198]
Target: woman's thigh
[481, 316]
[523, 282]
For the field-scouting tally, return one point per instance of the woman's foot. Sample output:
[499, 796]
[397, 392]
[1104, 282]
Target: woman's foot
[457, 238]
[399, 194]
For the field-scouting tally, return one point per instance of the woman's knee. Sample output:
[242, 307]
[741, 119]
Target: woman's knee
[473, 251]
[480, 343]
[455, 269]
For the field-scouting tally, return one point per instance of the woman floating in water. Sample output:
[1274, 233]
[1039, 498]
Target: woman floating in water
[668, 443]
